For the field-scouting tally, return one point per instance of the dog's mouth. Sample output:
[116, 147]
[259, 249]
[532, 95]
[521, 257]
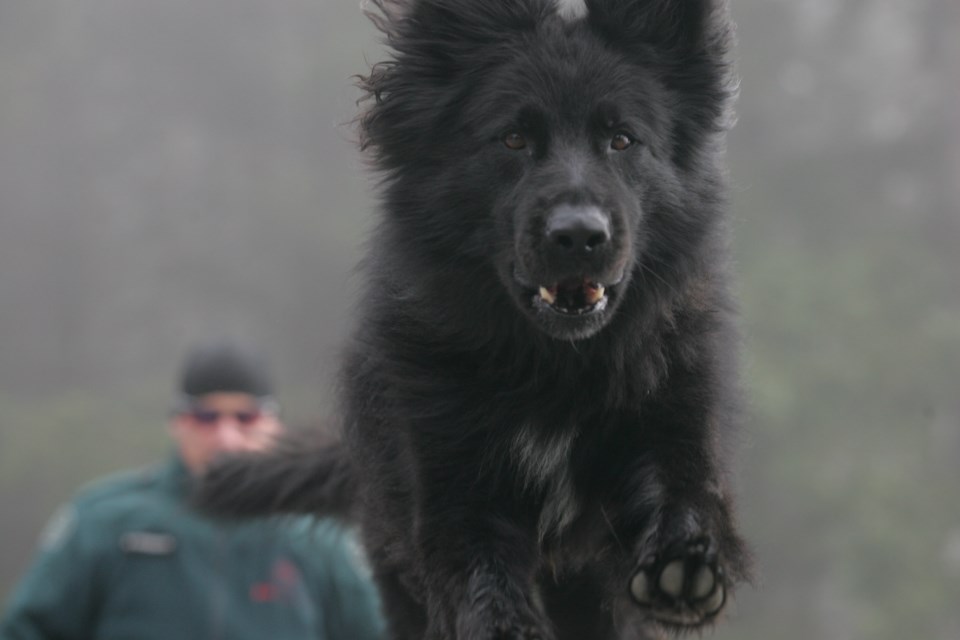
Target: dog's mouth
[572, 297]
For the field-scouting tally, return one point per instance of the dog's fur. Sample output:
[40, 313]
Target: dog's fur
[519, 472]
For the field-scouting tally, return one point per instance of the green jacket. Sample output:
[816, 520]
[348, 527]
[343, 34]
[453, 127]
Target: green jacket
[128, 559]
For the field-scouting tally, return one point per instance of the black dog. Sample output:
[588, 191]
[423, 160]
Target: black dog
[541, 387]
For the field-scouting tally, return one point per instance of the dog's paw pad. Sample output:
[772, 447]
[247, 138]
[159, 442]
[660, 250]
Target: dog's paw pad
[685, 588]
[704, 583]
[640, 588]
[672, 579]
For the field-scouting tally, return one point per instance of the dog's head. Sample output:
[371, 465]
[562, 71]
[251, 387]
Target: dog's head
[573, 154]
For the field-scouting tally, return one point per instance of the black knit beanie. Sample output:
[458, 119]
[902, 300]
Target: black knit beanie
[225, 367]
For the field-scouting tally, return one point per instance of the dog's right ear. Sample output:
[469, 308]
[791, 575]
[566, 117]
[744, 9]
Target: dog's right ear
[438, 46]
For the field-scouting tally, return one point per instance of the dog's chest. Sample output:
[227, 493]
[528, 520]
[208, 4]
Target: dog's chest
[543, 459]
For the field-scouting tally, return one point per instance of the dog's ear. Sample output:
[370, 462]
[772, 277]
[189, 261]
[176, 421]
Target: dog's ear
[439, 30]
[438, 45]
[689, 42]
[679, 26]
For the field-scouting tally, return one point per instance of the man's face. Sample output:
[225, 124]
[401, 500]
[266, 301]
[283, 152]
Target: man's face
[222, 423]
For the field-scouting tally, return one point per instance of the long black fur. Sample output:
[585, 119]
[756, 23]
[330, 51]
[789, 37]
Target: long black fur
[518, 473]
[304, 473]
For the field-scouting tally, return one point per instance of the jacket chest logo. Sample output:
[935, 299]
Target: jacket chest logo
[148, 543]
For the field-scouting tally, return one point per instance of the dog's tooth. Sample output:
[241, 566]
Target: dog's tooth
[546, 295]
[594, 293]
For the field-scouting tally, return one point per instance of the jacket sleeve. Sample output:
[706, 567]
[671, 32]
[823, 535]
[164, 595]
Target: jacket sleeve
[57, 597]
[349, 600]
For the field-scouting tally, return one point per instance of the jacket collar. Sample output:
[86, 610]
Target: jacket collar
[175, 478]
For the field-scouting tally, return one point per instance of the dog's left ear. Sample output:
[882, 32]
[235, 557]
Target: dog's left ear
[679, 26]
[689, 41]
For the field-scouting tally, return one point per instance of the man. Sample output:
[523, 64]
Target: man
[129, 558]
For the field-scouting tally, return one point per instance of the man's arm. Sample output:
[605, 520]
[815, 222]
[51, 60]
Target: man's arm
[56, 599]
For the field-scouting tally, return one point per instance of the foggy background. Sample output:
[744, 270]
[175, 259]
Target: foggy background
[176, 170]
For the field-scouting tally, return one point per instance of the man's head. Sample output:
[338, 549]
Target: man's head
[226, 404]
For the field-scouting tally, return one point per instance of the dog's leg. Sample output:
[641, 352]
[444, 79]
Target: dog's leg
[686, 552]
[405, 616]
[478, 569]
[687, 562]
[576, 605]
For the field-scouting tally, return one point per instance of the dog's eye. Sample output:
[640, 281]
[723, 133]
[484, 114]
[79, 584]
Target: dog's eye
[621, 142]
[514, 141]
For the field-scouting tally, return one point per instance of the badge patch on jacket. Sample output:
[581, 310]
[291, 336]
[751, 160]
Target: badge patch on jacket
[148, 543]
[283, 585]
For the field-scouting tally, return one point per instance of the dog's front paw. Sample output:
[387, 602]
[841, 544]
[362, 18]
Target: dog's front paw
[684, 586]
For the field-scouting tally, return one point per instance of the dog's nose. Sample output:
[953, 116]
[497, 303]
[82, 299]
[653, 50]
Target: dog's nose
[578, 229]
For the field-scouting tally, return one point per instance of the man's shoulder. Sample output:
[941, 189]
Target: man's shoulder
[121, 491]
[96, 504]
[118, 485]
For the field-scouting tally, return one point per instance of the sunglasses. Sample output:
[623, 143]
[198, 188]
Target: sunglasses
[210, 417]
